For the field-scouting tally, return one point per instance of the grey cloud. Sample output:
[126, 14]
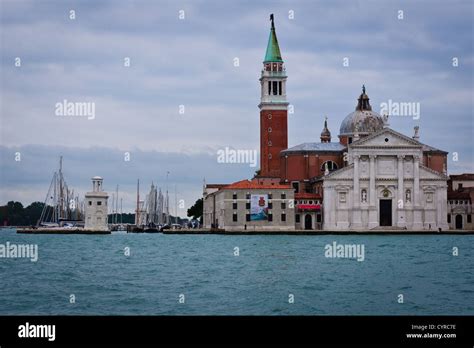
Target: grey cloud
[191, 63]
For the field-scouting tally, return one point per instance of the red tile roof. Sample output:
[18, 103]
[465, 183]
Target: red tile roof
[218, 186]
[247, 184]
[464, 176]
[305, 195]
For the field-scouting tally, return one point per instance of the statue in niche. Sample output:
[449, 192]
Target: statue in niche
[408, 196]
[364, 196]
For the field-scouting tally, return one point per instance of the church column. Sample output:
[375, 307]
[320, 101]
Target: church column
[356, 181]
[416, 179]
[417, 210]
[401, 199]
[373, 221]
[372, 181]
[400, 178]
[356, 213]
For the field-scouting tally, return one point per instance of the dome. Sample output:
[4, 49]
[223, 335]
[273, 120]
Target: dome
[325, 133]
[363, 120]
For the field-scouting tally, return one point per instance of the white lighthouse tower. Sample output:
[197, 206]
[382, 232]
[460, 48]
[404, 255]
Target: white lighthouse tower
[96, 207]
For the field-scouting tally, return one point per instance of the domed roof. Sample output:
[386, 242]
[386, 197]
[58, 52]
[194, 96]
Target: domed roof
[363, 120]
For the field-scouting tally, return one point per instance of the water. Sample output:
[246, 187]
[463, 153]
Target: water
[259, 281]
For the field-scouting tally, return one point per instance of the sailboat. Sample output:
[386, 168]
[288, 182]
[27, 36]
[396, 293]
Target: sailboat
[61, 208]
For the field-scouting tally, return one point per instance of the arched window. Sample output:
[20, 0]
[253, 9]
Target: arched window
[331, 165]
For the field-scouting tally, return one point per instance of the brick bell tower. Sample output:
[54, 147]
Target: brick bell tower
[273, 109]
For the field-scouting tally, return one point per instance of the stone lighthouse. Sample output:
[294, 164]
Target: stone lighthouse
[96, 207]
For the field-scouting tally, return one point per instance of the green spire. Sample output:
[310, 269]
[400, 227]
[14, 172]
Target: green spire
[273, 50]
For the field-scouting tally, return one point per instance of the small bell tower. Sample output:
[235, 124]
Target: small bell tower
[325, 134]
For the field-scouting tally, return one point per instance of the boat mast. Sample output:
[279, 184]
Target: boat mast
[55, 199]
[44, 212]
[112, 208]
[61, 189]
[167, 201]
[116, 205]
[137, 212]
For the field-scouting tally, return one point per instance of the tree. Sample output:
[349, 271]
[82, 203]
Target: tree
[196, 210]
[14, 214]
[33, 212]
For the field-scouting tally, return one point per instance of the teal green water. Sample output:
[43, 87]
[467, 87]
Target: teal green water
[258, 281]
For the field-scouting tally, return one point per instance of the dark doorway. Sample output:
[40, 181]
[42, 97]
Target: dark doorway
[308, 223]
[385, 212]
[459, 222]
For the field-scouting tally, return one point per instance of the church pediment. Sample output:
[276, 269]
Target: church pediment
[341, 174]
[386, 137]
[427, 173]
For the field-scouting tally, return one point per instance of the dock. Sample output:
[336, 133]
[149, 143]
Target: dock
[318, 232]
[42, 230]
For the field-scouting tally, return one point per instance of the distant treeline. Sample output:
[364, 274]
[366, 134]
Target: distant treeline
[125, 219]
[14, 214]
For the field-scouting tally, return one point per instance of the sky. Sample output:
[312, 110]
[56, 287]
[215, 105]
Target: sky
[183, 98]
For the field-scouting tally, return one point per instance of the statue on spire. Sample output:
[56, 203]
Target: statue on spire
[363, 89]
[272, 20]
[416, 136]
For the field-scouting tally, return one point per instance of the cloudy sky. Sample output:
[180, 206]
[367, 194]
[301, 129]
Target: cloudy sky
[400, 56]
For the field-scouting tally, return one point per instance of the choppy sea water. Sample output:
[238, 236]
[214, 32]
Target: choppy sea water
[259, 281]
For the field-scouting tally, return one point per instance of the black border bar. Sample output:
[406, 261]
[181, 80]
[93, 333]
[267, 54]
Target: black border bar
[222, 330]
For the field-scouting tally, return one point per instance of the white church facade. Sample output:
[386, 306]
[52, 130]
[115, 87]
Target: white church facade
[385, 184]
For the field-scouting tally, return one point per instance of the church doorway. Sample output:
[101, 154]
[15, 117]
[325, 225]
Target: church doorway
[308, 222]
[385, 212]
[459, 222]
